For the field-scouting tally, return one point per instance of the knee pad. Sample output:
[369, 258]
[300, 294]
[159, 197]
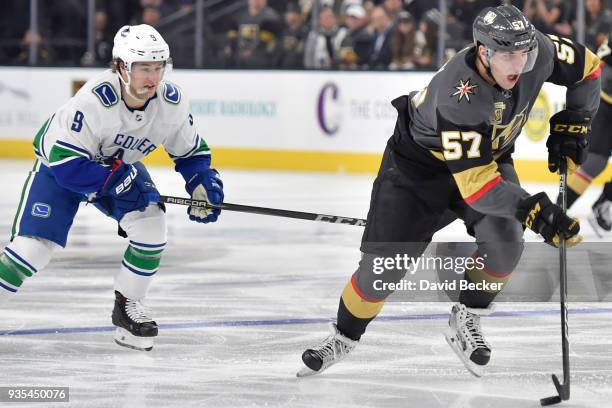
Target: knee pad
[147, 227]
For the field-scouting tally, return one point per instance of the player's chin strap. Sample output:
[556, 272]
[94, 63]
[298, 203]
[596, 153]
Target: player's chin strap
[488, 65]
[126, 85]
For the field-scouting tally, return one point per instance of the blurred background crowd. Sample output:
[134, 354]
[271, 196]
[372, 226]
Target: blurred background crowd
[277, 34]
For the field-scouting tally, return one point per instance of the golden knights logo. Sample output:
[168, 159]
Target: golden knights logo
[464, 90]
[503, 135]
[498, 113]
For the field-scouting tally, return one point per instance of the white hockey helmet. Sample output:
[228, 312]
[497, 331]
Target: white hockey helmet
[140, 43]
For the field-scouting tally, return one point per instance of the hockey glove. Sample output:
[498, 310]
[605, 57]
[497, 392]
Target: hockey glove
[205, 185]
[567, 140]
[540, 215]
[127, 188]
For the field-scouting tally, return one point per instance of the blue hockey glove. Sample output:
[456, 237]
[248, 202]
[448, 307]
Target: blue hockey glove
[205, 185]
[128, 188]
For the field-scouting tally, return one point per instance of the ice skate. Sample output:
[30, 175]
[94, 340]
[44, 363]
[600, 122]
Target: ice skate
[466, 339]
[600, 218]
[135, 329]
[332, 350]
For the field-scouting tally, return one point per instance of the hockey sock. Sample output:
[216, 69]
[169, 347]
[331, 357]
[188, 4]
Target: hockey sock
[572, 196]
[21, 259]
[482, 298]
[356, 311]
[140, 263]
[577, 183]
[13, 271]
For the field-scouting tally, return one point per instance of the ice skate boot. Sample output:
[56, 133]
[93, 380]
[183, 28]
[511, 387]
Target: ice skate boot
[600, 218]
[466, 339]
[135, 329]
[332, 350]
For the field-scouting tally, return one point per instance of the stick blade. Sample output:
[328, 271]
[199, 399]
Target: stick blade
[550, 400]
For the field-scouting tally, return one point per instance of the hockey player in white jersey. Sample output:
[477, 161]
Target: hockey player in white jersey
[90, 150]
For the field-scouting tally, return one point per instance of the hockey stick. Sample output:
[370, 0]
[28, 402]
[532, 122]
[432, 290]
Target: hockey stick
[563, 389]
[334, 219]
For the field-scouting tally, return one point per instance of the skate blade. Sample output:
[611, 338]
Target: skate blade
[474, 369]
[126, 339]
[595, 225]
[306, 372]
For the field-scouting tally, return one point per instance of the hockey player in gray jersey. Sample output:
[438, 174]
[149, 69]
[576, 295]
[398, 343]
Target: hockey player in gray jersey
[450, 157]
[600, 150]
[90, 150]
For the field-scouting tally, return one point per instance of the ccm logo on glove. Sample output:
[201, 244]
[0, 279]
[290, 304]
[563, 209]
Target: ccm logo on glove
[570, 128]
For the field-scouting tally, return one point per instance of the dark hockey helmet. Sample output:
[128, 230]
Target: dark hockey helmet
[505, 29]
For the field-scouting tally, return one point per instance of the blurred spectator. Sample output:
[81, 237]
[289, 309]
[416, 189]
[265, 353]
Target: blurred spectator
[103, 45]
[185, 5]
[293, 39]
[67, 29]
[323, 46]
[546, 15]
[426, 57]
[46, 55]
[150, 16]
[463, 12]
[405, 42]
[356, 45]
[418, 8]
[380, 52]
[598, 21]
[393, 8]
[162, 7]
[254, 39]
[120, 13]
[14, 20]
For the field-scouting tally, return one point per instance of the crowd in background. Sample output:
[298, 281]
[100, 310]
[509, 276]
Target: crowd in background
[280, 34]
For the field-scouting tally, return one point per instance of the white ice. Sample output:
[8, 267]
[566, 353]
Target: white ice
[238, 302]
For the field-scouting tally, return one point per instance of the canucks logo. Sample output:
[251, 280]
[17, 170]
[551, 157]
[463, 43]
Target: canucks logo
[42, 210]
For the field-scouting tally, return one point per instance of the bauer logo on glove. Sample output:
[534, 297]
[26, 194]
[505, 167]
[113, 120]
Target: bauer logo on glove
[125, 185]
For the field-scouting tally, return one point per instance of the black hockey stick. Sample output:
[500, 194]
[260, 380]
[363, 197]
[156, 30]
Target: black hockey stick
[563, 389]
[334, 219]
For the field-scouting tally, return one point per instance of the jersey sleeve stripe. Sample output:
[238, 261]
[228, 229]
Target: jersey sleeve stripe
[607, 98]
[474, 182]
[195, 146]
[484, 190]
[60, 155]
[39, 139]
[202, 149]
[592, 65]
[76, 149]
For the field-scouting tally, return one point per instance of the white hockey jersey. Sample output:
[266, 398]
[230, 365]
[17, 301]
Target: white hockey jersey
[97, 124]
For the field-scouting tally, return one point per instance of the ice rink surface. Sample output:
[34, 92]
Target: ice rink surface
[238, 302]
